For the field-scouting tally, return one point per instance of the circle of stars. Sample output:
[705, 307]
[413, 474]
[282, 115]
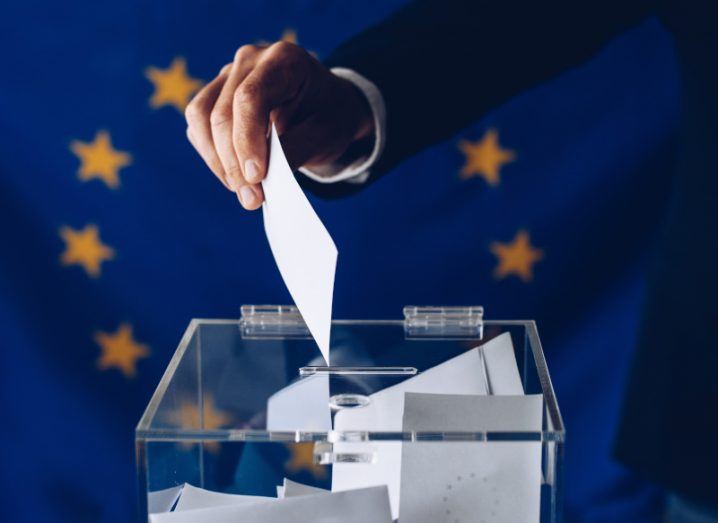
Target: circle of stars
[100, 160]
[489, 492]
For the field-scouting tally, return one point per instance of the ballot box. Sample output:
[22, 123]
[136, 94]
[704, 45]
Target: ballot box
[442, 416]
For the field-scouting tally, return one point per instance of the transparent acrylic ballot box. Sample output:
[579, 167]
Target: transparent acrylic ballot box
[454, 413]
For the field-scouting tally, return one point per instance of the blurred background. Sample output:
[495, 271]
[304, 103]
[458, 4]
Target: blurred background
[115, 235]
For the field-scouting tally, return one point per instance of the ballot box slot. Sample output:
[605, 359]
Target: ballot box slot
[367, 371]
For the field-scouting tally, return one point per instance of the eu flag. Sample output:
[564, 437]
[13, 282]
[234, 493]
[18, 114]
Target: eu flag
[114, 234]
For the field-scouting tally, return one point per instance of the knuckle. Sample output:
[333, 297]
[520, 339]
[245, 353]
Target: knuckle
[247, 93]
[282, 48]
[195, 110]
[220, 115]
[234, 170]
[245, 52]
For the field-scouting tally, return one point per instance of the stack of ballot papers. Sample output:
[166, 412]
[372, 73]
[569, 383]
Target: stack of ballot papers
[478, 391]
[295, 503]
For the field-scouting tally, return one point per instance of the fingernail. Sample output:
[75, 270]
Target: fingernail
[232, 184]
[251, 171]
[246, 195]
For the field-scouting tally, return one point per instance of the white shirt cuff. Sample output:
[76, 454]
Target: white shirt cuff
[359, 169]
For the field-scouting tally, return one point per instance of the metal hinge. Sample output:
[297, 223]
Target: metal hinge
[444, 322]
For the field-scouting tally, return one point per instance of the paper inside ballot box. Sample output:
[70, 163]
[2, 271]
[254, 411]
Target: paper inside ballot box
[370, 505]
[491, 481]
[479, 371]
[304, 404]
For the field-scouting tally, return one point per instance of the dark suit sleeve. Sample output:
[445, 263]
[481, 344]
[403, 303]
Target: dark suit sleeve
[441, 64]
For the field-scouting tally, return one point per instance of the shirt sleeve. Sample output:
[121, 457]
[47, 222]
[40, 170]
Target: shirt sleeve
[355, 169]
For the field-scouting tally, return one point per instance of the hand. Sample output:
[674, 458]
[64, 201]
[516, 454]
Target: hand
[317, 115]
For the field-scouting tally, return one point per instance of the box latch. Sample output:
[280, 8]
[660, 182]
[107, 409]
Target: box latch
[444, 322]
[272, 321]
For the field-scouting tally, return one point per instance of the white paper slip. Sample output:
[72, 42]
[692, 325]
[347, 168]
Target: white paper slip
[491, 481]
[193, 498]
[303, 405]
[502, 371]
[292, 489]
[304, 251]
[163, 500]
[463, 374]
[369, 505]
[463, 413]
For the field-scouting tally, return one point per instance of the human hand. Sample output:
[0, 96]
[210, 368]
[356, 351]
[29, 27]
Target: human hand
[317, 114]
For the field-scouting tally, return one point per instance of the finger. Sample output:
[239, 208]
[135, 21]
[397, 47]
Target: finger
[275, 80]
[286, 115]
[199, 130]
[251, 196]
[221, 117]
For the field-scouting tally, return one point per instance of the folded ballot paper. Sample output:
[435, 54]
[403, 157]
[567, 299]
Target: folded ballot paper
[300, 504]
[305, 253]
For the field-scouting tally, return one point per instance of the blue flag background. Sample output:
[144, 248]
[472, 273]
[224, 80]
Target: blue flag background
[114, 234]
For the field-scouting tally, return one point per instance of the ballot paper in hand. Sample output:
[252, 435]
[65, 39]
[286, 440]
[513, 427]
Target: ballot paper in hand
[471, 481]
[304, 251]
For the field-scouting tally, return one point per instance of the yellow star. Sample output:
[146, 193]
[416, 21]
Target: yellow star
[120, 350]
[98, 159]
[302, 458]
[188, 416]
[173, 86]
[485, 158]
[289, 35]
[517, 257]
[85, 248]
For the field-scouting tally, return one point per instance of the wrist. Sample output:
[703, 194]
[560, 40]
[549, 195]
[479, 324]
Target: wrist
[360, 115]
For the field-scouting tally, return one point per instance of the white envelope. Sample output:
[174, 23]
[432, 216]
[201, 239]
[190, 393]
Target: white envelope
[471, 481]
[303, 405]
[502, 371]
[463, 374]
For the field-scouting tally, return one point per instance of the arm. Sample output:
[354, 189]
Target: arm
[441, 64]
[438, 64]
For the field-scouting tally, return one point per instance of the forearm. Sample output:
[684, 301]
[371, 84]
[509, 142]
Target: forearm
[441, 64]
